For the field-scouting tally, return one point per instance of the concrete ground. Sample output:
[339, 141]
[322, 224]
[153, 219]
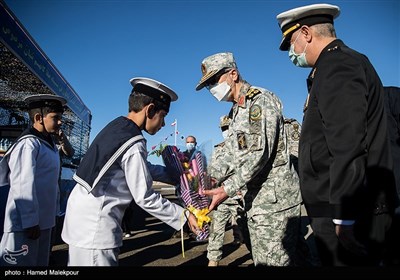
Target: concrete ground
[153, 251]
[153, 245]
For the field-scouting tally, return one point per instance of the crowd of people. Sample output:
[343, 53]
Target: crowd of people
[342, 170]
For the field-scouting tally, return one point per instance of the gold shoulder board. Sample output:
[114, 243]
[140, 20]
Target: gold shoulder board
[252, 92]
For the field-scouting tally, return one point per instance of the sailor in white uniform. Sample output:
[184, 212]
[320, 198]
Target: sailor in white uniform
[112, 173]
[32, 167]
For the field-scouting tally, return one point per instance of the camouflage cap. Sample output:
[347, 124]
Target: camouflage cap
[213, 64]
[224, 122]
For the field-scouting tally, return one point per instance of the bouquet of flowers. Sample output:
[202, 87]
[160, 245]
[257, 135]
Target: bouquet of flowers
[193, 178]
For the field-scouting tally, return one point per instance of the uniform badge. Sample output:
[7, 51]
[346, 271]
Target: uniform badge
[241, 138]
[333, 48]
[241, 101]
[203, 68]
[296, 133]
[255, 113]
[252, 92]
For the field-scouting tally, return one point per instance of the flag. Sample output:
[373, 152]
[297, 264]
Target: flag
[174, 123]
[189, 186]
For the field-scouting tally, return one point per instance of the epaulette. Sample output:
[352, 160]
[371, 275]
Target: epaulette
[219, 144]
[252, 92]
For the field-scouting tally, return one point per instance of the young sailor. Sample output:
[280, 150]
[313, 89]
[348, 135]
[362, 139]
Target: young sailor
[112, 173]
[32, 168]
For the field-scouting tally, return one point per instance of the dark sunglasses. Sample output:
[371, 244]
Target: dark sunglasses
[213, 80]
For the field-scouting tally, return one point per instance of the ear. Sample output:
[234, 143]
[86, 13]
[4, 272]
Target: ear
[38, 118]
[235, 75]
[150, 111]
[307, 32]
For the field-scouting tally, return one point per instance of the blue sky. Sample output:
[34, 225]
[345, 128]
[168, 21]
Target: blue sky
[98, 46]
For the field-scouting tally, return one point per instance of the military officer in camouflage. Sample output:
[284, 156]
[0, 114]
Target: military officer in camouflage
[231, 208]
[257, 144]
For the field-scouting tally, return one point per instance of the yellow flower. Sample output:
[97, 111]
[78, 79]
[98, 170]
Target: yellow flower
[201, 215]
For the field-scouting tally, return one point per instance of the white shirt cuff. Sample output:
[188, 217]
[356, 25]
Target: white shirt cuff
[343, 222]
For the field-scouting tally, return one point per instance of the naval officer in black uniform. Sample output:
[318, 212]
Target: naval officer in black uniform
[345, 161]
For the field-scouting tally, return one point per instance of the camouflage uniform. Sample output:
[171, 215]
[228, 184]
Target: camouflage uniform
[258, 146]
[230, 208]
[261, 159]
[293, 129]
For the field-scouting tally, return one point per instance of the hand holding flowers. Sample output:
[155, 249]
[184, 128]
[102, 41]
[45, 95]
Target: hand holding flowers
[193, 181]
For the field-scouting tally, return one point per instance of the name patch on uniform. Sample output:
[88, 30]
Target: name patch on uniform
[255, 113]
[241, 138]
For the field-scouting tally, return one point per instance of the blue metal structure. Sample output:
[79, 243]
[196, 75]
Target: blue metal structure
[25, 70]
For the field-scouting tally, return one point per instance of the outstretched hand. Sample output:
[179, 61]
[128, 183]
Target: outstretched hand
[218, 195]
[192, 222]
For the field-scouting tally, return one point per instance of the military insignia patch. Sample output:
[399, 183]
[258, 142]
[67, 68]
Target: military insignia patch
[241, 101]
[203, 69]
[252, 92]
[255, 113]
[241, 138]
[296, 135]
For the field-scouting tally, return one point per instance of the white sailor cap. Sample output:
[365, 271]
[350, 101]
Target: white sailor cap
[293, 19]
[46, 100]
[154, 89]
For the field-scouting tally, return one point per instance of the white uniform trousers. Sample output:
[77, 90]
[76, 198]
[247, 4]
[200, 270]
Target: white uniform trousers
[92, 257]
[18, 250]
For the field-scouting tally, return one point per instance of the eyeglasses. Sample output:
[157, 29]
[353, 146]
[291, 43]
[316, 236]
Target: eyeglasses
[215, 79]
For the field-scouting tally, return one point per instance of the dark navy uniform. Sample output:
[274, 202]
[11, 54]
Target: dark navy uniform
[345, 161]
[392, 106]
[345, 99]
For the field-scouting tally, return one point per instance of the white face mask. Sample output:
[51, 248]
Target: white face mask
[298, 59]
[225, 134]
[221, 91]
[190, 146]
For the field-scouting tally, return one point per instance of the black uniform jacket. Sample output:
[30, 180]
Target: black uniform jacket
[344, 153]
[392, 102]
